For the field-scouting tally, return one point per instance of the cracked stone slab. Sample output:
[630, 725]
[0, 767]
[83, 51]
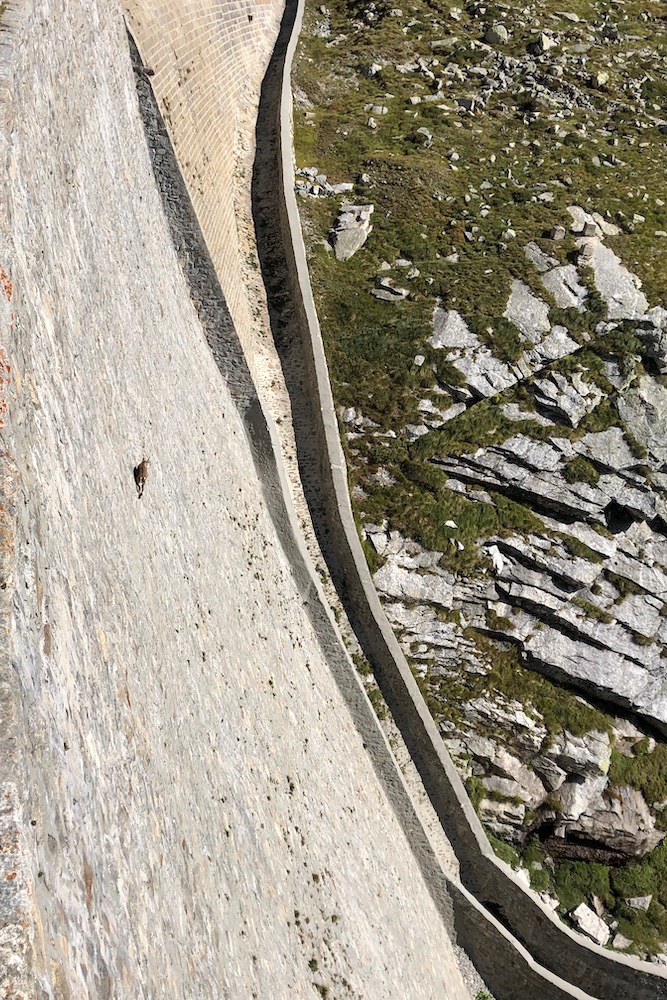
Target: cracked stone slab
[644, 411]
[451, 330]
[351, 230]
[528, 313]
[619, 288]
[566, 288]
[571, 398]
[608, 673]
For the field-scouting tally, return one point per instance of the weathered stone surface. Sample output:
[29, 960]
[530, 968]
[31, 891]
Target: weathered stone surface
[509, 776]
[587, 755]
[609, 448]
[588, 922]
[543, 42]
[571, 398]
[639, 902]
[351, 230]
[541, 260]
[644, 410]
[580, 219]
[575, 797]
[649, 577]
[397, 578]
[388, 291]
[168, 662]
[602, 671]
[642, 613]
[484, 373]
[607, 228]
[654, 335]
[348, 240]
[532, 791]
[621, 821]
[527, 312]
[557, 344]
[566, 288]
[620, 942]
[542, 562]
[514, 412]
[619, 375]
[533, 469]
[497, 34]
[519, 763]
[505, 819]
[451, 330]
[620, 289]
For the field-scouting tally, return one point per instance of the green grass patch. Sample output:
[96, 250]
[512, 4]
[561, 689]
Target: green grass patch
[580, 470]
[577, 881]
[647, 772]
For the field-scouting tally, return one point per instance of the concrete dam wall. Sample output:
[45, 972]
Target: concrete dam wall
[197, 800]
[188, 807]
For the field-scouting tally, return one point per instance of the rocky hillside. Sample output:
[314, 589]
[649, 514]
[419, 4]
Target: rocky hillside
[481, 193]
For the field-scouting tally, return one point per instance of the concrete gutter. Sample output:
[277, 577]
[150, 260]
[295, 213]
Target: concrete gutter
[488, 879]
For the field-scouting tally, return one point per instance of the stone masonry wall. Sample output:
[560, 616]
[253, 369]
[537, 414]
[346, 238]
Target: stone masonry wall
[207, 60]
[189, 808]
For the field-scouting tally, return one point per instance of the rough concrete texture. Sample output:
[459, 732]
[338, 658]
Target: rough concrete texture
[200, 817]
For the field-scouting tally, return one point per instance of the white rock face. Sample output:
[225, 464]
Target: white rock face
[566, 288]
[450, 330]
[639, 902]
[484, 373]
[620, 289]
[654, 335]
[511, 778]
[540, 260]
[644, 410]
[584, 755]
[602, 669]
[497, 34]
[622, 821]
[571, 397]
[527, 312]
[502, 817]
[397, 578]
[575, 797]
[620, 942]
[608, 447]
[387, 290]
[557, 344]
[351, 230]
[590, 924]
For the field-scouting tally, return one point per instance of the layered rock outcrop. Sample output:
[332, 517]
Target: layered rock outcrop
[579, 595]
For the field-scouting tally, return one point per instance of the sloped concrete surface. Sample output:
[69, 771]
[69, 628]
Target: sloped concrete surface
[201, 818]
